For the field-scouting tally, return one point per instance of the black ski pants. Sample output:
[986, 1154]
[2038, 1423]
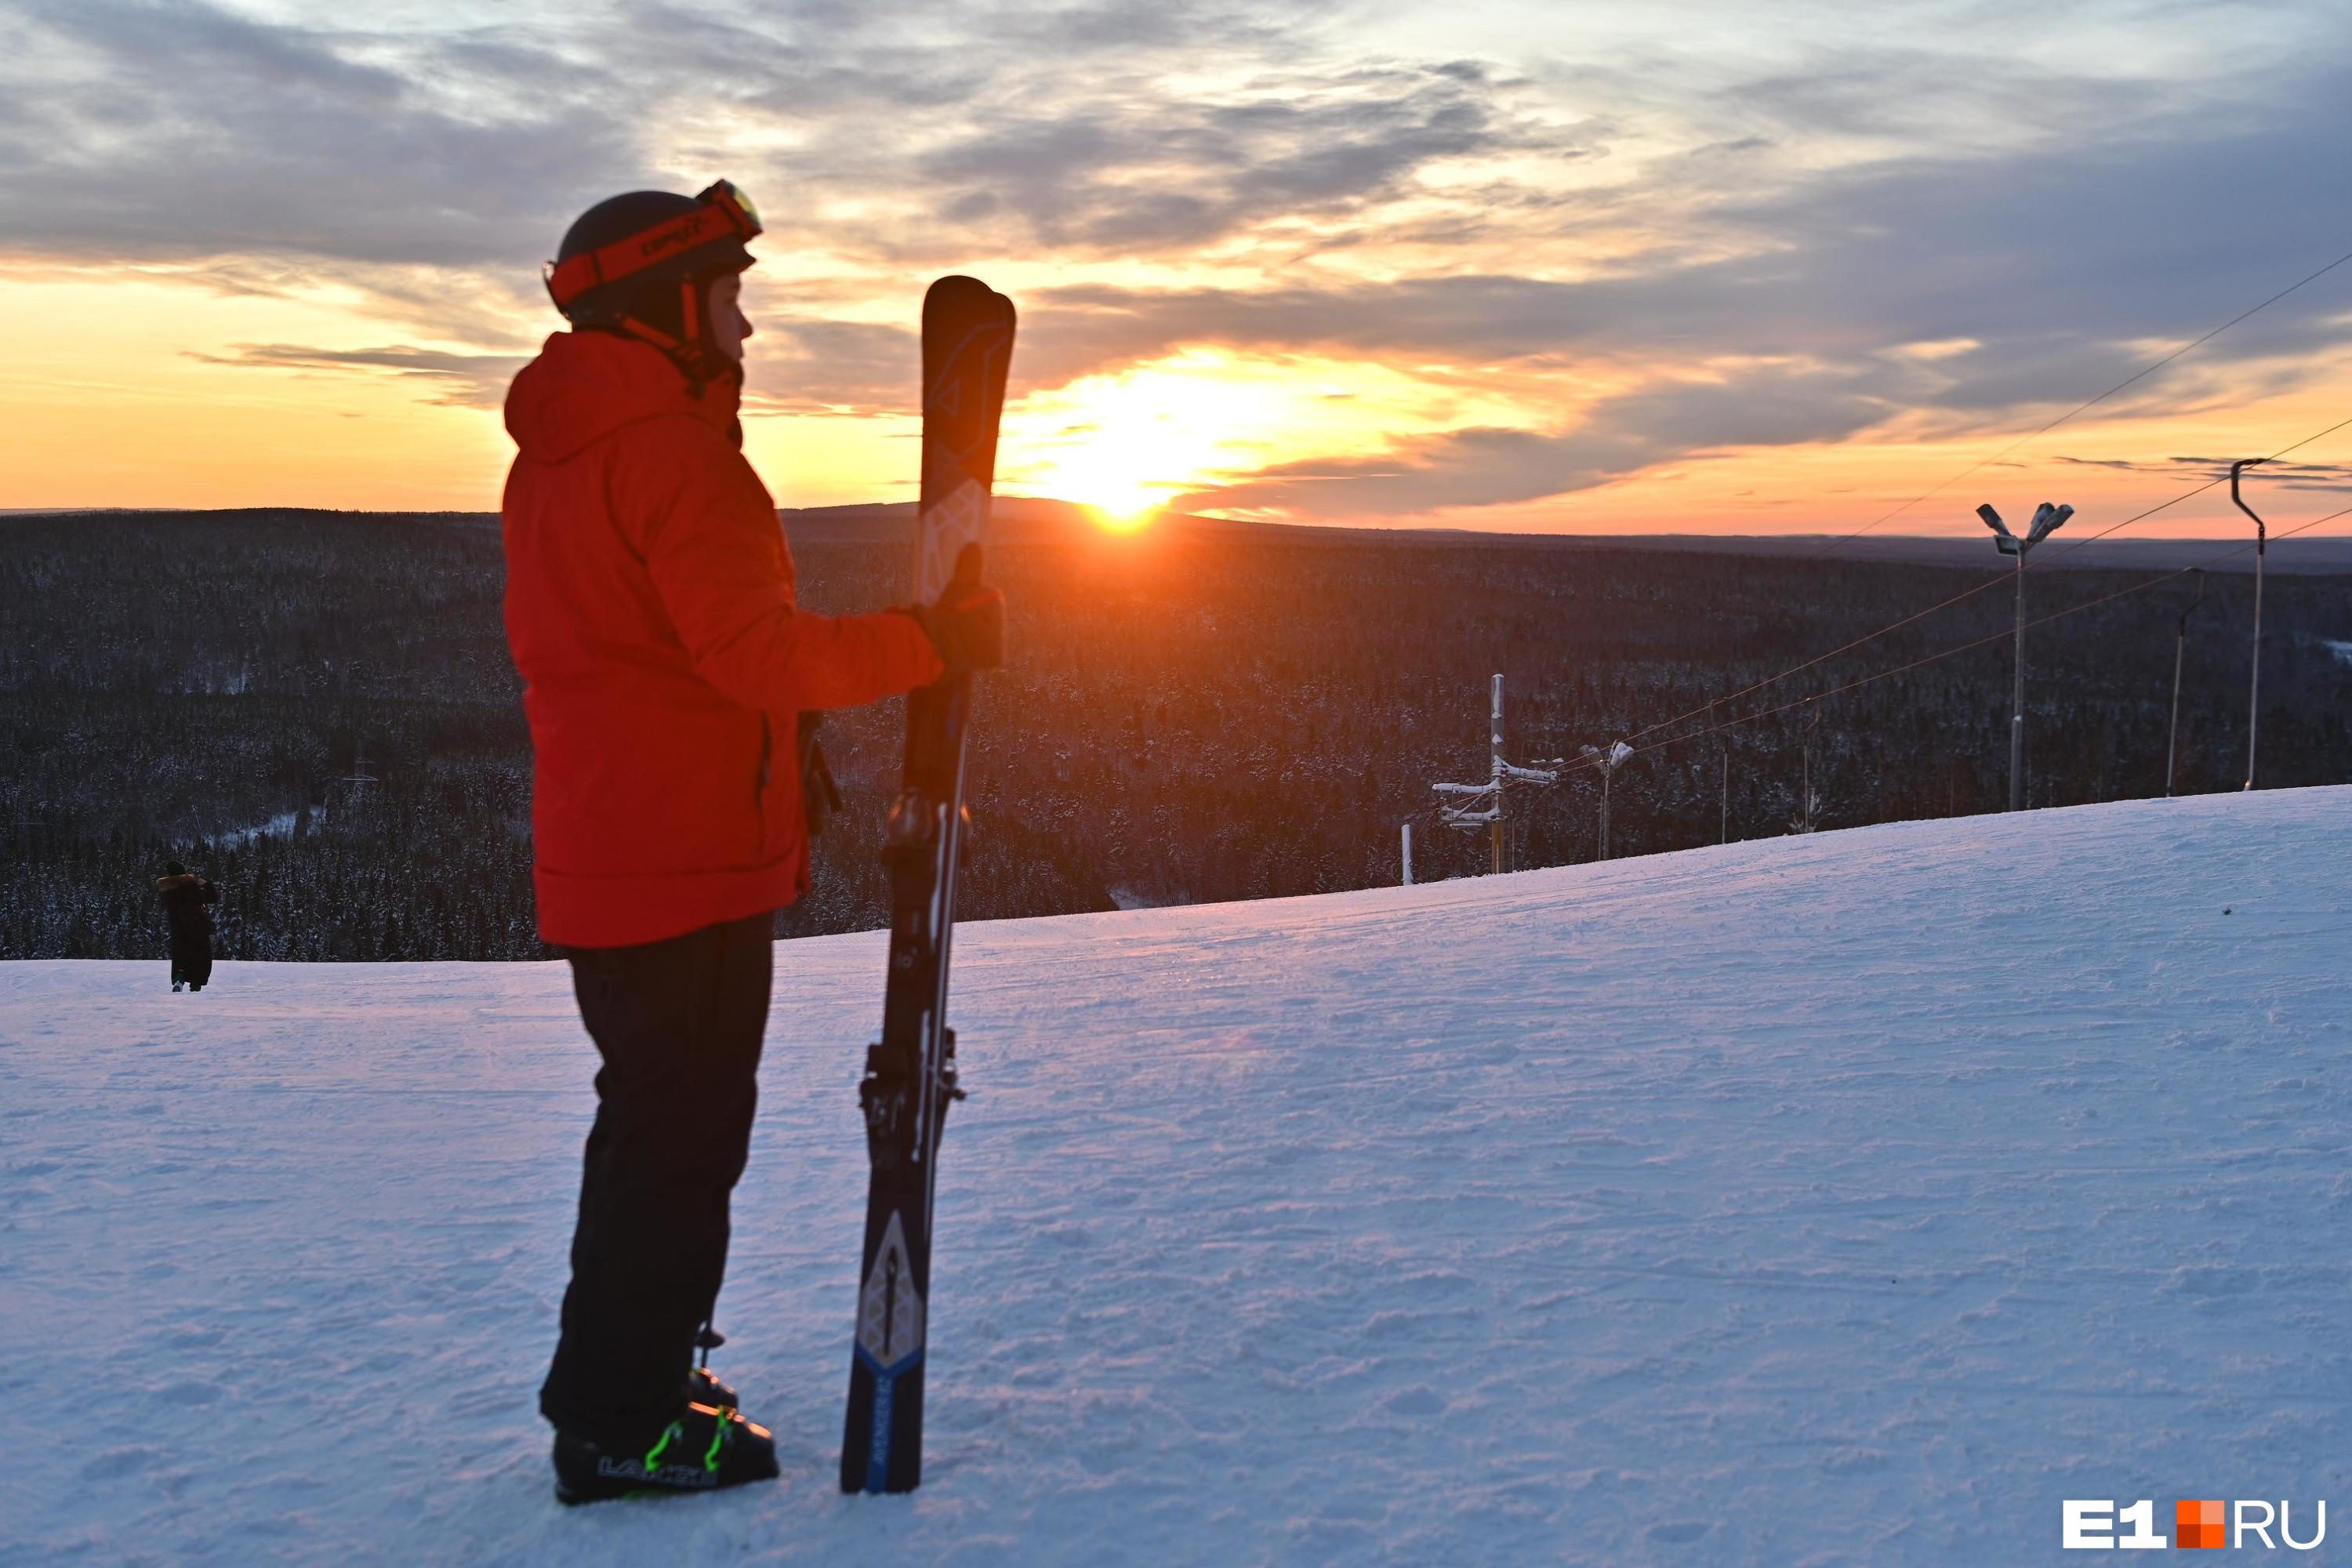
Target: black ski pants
[192, 960]
[679, 1024]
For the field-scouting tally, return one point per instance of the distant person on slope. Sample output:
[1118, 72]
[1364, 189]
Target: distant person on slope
[650, 609]
[187, 902]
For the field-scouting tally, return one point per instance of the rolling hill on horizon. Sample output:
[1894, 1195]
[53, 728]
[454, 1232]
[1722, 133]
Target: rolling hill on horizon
[1035, 520]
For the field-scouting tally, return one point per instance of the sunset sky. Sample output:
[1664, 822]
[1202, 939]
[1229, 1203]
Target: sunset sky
[1584, 268]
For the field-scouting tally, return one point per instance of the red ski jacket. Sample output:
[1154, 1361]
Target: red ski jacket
[649, 608]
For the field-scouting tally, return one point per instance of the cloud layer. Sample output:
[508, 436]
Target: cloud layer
[1787, 243]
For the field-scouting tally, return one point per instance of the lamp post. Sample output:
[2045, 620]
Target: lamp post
[1808, 804]
[1722, 779]
[2179, 645]
[2262, 546]
[1608, 762]
[2047, 521]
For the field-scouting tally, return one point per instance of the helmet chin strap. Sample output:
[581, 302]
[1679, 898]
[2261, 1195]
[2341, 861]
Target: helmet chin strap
[700, 359]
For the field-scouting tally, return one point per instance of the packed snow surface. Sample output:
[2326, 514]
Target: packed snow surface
[1845, 1199]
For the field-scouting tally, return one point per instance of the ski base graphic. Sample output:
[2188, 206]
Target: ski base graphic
[911, 1073]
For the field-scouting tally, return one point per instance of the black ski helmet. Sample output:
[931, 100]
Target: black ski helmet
[640, 264]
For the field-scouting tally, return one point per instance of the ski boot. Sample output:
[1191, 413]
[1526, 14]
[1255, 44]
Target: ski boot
[705, 1450]
[701, 1386]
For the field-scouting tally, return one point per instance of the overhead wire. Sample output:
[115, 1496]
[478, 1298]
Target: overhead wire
[2140, 374]
[2002, 636]
[1991, 582]
[1997, 579]
[2073, 545]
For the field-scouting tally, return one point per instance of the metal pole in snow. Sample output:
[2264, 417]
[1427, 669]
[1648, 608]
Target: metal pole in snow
[2262, 546]
[1486, 809]
[2017, 700]
[1497, 729]
[1608, 762]
[2047, 521]
[1408, 854]
[2179, 645]
[1723, 783]
[1805, 728]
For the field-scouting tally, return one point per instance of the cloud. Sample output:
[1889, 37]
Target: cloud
[1116, 172]
[799, 367]
[2064, 266]
[165, 129]
[178, 129]
[464, 380]
[1750, 252]
[428, 167]
[2053, 274]
[2280, 474]
[1766, 405]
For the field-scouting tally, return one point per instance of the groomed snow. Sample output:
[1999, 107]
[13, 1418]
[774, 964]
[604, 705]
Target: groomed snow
[1848, 1199]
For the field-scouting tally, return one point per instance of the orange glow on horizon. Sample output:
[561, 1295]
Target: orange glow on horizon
[1134, 521]
[124, 388]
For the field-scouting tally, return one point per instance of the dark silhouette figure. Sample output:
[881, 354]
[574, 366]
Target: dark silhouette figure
[188, 901]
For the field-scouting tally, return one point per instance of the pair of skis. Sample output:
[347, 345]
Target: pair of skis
[911, 1074]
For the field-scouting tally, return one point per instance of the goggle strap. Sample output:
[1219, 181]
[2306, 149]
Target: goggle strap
[570, 280]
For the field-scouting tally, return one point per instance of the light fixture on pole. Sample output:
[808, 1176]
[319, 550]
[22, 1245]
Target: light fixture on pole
[1608, 762]
[2047, 521]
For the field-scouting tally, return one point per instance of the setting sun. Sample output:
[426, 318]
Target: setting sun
[1124, 444]
[1127, 444]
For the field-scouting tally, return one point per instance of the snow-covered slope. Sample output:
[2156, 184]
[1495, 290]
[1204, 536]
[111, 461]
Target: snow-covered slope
[1849, 1199]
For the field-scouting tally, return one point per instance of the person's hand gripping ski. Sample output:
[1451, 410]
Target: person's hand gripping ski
[966, 622]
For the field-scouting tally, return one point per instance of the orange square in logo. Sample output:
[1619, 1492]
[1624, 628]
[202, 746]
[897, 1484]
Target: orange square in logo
[2198, 1523]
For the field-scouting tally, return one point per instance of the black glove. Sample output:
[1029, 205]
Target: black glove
[966, 623]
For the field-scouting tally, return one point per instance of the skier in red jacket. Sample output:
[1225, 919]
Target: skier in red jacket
[650, 610]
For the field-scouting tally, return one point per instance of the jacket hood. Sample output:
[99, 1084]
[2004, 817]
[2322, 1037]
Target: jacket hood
[184, 880]
[586, 385]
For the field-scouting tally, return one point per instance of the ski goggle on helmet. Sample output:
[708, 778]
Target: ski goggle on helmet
[720, 211]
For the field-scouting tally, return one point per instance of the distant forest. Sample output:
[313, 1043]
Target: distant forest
[317, 711]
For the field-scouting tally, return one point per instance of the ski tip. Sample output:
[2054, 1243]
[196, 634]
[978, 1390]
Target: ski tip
[958, 292]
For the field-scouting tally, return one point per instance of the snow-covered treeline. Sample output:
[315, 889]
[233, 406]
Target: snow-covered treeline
[1194, 714]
